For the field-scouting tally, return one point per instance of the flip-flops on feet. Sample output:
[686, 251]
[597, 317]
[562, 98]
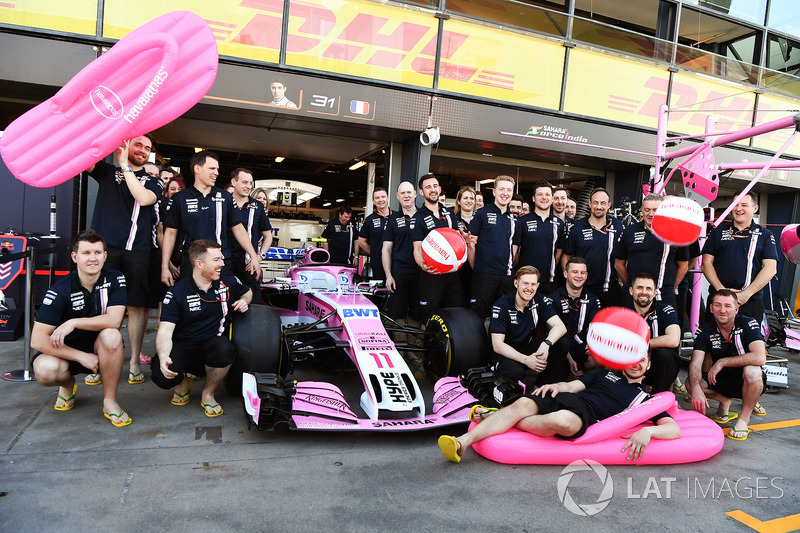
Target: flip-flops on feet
[724, 419]
[66, 406]
[135, 379]
[679, 389]
[145, 359]
[93, 379]
[212, 414]
[450, 448]
[180, 399]
[738, 434]
[759, 410]
[474, 415]
[122, 423]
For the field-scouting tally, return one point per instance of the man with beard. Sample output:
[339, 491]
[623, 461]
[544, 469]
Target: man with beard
[370, 236]
[665, 333]
[594, 238]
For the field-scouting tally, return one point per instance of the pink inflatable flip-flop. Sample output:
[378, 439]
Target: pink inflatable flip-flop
[148, 79]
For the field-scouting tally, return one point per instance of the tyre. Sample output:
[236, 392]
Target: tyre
[455, 341]
[258, 339]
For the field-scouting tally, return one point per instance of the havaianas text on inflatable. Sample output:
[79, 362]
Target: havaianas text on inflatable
[148, 79]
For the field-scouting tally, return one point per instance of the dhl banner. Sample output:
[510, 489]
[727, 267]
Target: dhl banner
[75, 16]
[770, 108]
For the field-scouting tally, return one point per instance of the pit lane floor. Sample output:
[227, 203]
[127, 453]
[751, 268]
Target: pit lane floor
[174, 469]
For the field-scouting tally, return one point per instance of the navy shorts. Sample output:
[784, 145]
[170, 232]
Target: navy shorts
[136, 268]
[730, 382]
[405, 300]
[565, 401]
[84, 342]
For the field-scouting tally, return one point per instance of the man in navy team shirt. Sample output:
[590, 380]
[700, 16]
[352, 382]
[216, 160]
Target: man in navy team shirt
[402, 272]
[370, 236]
[194, 317]
[741, 256]
[341, 237]
[515, 318]
[639, 250]
[256, 224]
[594, 238]
[435, 290]
[540, 238]
[204, 211]
[77, 328]
[735, 346]
[123, 215]
[491, 249]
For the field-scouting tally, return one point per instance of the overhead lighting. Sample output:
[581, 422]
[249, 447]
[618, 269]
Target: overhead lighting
[487, 155]
[198, 150]
[357, 165]
[326, 204]
[484, 182]
[279, 159]
[339, 200]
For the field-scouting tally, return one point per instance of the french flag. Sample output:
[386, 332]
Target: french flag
[357, 107]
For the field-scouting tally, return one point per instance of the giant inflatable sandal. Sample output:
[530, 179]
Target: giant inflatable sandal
[146, 80]
[700, 439]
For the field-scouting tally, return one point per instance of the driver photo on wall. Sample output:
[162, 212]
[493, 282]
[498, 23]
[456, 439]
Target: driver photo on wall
[278, 89]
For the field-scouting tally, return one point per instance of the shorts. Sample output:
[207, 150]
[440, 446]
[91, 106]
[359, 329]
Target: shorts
[84, 341]
[240, 271]
[193, 357]
[730, 382]
[566, 401]
[135, 266]
[486, 288]
[156, 287]
[437, 291]
[405, 300]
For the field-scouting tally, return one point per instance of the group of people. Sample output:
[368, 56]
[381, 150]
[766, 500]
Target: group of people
[199, 241]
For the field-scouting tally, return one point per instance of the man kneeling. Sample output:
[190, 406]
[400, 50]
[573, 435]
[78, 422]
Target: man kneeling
[568, 410]
[194, 315]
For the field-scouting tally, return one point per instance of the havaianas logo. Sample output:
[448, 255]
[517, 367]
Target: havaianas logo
[147, 95]
[106, 102]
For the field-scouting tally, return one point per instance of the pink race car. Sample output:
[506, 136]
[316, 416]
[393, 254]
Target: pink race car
[319, 314]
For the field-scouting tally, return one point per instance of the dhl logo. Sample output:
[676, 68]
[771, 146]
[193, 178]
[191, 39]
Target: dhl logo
[363, 38]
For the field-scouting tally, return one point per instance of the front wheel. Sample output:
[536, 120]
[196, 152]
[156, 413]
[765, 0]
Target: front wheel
[257, 336]
[455, 341]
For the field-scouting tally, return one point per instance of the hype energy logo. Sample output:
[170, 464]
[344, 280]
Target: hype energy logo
[600, 483]
[106, 102]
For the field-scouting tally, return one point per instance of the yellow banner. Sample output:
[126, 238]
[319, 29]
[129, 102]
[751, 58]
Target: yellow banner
[74, 16]
[772, 108]
[603, 86]
[500, 65]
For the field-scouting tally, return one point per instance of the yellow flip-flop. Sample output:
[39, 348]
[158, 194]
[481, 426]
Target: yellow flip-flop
[473, 412]
[212, 414]
[450, 448]
[65, 407]
[121, 423]
[745, 431]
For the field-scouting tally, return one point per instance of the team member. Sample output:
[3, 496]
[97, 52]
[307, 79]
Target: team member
[594, 238]
[748, 254]
[194, 317]
[540, 238]
[166, 174]
[123, 215]
[256, 224]
[340, 235]
[465, 210]
[736, 348]
[478, 199]
[204, 211]
[576, 308]
[571, 211]
[567, 409]
[526, 208]
[560, 197]
[665, 333]
[491, 249]
[370, 236]
[515, 205]
[515, 318]
[278, 89]
[435, 290]
[77, 328]
[639, 250]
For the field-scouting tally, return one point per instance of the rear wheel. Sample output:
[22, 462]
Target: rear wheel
[455, 341]
[257, 336]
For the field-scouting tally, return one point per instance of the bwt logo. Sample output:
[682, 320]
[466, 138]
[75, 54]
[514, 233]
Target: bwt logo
[603, 484]
[356, 312]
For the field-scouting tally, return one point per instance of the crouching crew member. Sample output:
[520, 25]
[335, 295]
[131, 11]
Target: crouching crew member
[194, 317]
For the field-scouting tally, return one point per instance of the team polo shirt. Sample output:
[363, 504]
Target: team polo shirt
[425, 221]
[495, 230]
[373, 229]
[203, 217]
[68, 299]
[608, 393]
[340, 240]
[659, 317]
[738, 253]
[199, 315]
[644, 252]
[538, 239]
[121, 220]
[255, 220]
[519, 327]
[575, 313]
[597, 247]
[709, 339]
[398, 231]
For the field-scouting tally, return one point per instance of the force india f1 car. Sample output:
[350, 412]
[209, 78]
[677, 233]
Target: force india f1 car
[318, 313]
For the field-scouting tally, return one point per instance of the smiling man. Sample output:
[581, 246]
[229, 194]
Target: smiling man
[370, 236]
